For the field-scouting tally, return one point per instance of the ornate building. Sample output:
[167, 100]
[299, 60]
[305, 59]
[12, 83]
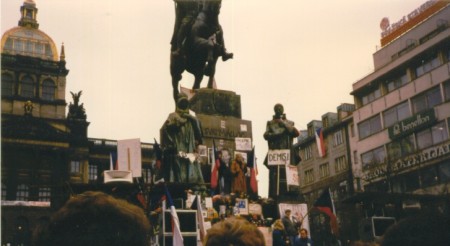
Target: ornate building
[46, 155]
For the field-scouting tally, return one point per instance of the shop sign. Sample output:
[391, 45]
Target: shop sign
[410, 161]
[412, 124]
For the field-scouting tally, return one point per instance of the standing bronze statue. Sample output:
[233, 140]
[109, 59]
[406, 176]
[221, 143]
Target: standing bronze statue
[180, 136]
[197, 41]
[279, 134]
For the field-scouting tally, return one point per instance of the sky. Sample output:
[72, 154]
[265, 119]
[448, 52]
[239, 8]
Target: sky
[303, 54]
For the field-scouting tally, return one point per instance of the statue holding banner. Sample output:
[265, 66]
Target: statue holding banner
[180, 136]
[279, 134]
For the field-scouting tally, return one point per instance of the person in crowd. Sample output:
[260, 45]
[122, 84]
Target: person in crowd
[238, 170]
[289, 226]
[233, 232]
[279, 237]
[95, 218]
[303, 239]
[423, 229]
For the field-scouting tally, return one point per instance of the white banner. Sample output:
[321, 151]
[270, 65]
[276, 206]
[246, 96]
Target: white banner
[278, 157]
[243, 144]
[129, 156]
[292, 175]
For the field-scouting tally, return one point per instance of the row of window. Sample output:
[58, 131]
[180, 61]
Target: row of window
[407, 145]
[419, 179]
[23, 191]
[28, 47]
[75, 168]
[340, 165]
[27, 87]
[338, 139]
[400, 78]
[424, 101]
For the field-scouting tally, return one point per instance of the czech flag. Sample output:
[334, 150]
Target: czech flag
[319, 142]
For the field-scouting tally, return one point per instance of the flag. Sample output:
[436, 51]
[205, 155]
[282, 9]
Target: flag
[113, 160]
[319, 142]
[201, 223]
[251, 163]
[215, 168]
[176, 232]
[325, 204]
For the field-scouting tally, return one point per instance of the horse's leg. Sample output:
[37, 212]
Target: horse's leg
[198, 79]
[213, 72]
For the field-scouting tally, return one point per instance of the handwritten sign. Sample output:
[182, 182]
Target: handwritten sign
[292, 175]
[279, 157]
[243, 144]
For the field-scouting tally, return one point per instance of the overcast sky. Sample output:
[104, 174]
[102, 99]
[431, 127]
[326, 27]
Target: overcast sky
[303, 54]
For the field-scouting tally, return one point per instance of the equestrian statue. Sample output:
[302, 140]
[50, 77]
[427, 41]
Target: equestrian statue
[197, 41]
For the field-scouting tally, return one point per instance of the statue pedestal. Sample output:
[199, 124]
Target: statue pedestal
[216, 102]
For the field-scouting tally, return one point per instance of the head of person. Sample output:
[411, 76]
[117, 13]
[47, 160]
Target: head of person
[239, 158]
[422, 229]
[279, 109]
[95, 218]
[234, 232]
[303, 233]
[287, 212]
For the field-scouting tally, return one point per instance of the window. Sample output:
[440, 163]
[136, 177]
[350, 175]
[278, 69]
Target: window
[48, 90]
[373, 157]
[369, 127]
[396, 114]
[7, 85]
[431, 136]
[324, 170]
[309, 176]
[93, 170]
[308, 152]
[427, 64]
[45, 194]
[447, 90]
[29, 47]
[27, 87]
[75, 166]
[401, 147]
[22, 193]
[340, 164]
[429, 177]
[337, 137]
[444, 172]
[411, 181]
[370, 97]
[147, 175]
[426, 100]
[397, 82]
[4, 191]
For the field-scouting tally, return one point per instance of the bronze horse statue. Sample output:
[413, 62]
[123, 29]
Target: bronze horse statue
[202, 46]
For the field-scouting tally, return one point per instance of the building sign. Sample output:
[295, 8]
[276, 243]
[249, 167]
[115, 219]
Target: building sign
[394, 30]
[412, 124]
[409, 161]
[278, 157]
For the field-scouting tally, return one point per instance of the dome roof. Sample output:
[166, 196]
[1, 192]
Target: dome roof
[26, 39]
[29, 42]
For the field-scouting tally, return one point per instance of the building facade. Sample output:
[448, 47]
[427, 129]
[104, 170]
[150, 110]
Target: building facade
[327, 168]
[46, 155]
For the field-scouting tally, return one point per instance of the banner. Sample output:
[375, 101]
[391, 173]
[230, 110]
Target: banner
[129, 156]
[278, 157]
[292, 175]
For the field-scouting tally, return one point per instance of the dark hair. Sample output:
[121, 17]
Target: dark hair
[95, 218]
[236, 232]
[425, 229]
